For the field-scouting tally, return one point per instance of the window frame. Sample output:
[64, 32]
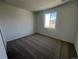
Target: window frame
[50, 25]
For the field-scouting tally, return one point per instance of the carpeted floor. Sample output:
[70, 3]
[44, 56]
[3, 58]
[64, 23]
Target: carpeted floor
[40, 47]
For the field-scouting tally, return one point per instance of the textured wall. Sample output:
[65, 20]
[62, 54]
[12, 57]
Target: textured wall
[66, 23]
[15, 22]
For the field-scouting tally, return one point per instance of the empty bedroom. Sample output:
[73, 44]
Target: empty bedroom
[38, 29]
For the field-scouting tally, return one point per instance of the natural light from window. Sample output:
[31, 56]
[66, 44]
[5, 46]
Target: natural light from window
[50, 20]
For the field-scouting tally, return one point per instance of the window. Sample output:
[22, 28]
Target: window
[50, 20]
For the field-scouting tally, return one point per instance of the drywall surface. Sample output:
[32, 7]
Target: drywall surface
[76, 44]
[15, 22]
[2, 49]
[66, 22]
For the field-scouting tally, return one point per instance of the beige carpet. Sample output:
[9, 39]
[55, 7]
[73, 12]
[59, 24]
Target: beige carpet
[40, 47]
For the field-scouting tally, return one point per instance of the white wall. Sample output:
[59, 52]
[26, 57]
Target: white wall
[76, 44]
[66, 23]
[15, 22]
[2, 49]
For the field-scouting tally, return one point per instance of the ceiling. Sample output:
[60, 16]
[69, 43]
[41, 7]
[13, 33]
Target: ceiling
[35, 5]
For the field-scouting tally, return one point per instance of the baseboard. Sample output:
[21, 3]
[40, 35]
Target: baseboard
[53, 38]
[22, 37]
[42, 35]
